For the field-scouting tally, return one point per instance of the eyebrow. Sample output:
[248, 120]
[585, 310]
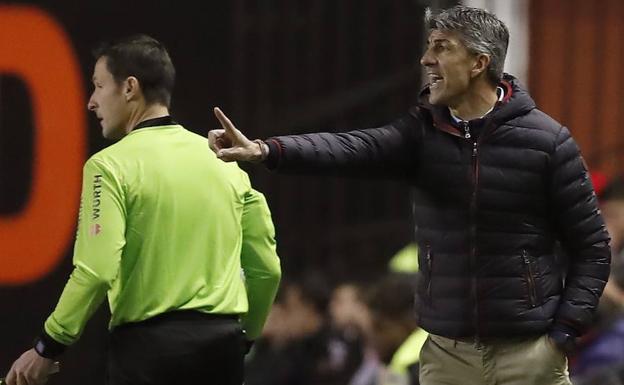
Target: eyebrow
[439, 41]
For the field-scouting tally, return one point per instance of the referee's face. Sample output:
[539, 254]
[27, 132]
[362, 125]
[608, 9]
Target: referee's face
[108, 102]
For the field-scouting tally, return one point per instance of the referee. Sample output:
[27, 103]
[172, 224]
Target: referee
[177, 240]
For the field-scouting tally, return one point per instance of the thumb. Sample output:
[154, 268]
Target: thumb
[231, 154]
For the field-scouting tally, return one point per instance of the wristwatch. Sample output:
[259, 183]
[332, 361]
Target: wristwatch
[47, 347]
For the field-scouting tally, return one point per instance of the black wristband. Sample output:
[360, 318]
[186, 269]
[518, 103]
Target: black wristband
[48, 347]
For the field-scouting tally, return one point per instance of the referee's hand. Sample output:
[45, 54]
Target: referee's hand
[231, 145]
[31, 369]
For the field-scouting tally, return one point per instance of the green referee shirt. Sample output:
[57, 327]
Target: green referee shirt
[164, 225]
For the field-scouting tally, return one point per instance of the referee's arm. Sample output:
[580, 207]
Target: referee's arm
[259, 261]
[97, 254]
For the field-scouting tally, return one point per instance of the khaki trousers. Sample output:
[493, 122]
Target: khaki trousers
[516, 361]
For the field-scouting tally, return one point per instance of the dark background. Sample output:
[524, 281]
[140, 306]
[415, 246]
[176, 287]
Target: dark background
[275, 67]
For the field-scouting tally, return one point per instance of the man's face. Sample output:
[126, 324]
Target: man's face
[449, 68]
[347, 310]
[108, 102]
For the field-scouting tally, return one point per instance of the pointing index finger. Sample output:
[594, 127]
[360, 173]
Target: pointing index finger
[225, 122]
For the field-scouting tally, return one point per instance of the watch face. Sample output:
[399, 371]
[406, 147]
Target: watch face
[40, 347]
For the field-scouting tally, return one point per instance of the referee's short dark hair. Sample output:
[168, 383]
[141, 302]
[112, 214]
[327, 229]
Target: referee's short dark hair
[146, 59]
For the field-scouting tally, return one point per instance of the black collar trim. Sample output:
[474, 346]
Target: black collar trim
[162, 121]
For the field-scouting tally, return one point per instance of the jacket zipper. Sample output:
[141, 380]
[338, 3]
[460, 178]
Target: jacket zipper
[530, 279]
[473, 229]
[429, 267]
[466, 128]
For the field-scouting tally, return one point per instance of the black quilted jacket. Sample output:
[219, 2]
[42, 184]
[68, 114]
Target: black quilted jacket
[492, 199]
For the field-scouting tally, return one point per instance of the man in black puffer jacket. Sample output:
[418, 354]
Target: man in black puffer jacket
[498, 185]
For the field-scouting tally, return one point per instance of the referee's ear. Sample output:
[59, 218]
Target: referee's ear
[132, 89]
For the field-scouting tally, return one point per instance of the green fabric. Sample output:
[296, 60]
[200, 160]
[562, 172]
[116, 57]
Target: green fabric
[164, 225]
[409, 352]
[405, 260]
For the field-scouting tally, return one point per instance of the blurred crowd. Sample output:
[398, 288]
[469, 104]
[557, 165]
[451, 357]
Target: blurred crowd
[366, 333]
[347, 333]
[599, 357]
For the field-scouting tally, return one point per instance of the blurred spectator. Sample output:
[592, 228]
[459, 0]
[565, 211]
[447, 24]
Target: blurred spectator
[299, 347]
[263, 362]
[349, 311]
[351, 318]
[612, 207]
[396, 335]
[600, 355]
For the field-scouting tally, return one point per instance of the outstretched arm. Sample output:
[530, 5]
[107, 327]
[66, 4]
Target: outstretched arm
[386, 151]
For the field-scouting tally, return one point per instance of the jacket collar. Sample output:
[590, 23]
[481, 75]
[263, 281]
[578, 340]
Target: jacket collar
[516, 102]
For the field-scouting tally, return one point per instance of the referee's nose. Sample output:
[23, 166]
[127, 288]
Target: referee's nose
[91, 105]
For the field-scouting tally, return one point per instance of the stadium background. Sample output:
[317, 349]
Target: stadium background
[275, 67]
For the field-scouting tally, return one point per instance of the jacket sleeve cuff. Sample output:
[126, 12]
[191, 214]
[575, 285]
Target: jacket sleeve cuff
[48, 347]
[564, 338]
[563, 328]
[275, 153]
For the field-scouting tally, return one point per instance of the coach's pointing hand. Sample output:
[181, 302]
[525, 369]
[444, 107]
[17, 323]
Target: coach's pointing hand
[230, 144]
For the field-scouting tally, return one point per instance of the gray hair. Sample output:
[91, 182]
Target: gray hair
[480, 31]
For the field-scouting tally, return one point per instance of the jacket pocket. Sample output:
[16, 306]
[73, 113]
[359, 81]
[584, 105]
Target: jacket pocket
[529, 276]
[429, 258]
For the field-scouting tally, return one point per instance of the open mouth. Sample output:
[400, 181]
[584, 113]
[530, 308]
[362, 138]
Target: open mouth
[435, 80]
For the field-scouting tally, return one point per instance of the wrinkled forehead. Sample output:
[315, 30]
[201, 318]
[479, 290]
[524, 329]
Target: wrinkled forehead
[442, 35]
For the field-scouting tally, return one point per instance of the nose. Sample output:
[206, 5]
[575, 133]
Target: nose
[91, 105]
[427, 59]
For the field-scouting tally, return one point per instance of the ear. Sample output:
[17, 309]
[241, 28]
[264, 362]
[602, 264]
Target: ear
[132, 88]
[481, 64]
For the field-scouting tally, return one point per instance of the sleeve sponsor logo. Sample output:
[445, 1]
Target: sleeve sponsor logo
[95, 229]
[97, 195]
